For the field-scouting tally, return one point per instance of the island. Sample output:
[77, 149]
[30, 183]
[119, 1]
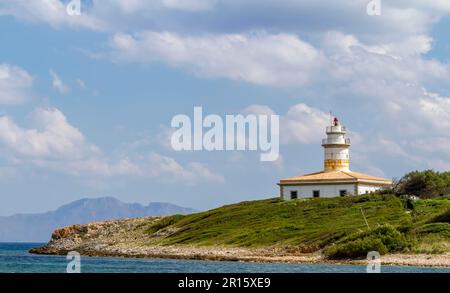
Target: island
[405, 230]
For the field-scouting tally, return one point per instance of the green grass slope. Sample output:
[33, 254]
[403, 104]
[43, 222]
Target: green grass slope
[336, 225]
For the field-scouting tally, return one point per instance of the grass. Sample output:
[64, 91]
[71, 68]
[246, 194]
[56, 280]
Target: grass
[313, 224]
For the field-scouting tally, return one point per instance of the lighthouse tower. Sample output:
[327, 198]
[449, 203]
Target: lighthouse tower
[336, 147]
[335, 179]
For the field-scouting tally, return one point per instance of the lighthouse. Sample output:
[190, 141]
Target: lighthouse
[336, 178]
[336, 145]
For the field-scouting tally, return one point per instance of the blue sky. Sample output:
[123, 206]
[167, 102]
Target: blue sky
[86, 101]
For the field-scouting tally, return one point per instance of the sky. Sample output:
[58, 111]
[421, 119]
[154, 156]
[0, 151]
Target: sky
[86, 101]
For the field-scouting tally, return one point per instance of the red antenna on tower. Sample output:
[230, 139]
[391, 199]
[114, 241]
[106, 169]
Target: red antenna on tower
[335, 121]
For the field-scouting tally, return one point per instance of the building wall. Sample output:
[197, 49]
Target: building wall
[328, 190]
[362, 189]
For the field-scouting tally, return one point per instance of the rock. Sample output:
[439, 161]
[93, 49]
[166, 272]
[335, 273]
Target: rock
[65, 232]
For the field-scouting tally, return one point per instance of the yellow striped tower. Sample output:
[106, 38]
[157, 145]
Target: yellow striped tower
[336, 147]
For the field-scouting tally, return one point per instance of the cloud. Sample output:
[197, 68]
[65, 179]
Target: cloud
[58, 84]
[284, 60]
[97, 15]
[51, 137]
[51, 12]
[170, 170]
[52, 143]
[399, 17]
[261, 58]
[15, 84]
[152, 166]
[435, 109]
[303, 124]
[350, 60]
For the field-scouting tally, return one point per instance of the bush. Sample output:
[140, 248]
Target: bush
[443, 218]
[383, 239]
[435, 228]
[424, 184]
[356, 249]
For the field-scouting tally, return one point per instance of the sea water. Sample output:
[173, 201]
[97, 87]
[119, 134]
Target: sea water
[14, 258]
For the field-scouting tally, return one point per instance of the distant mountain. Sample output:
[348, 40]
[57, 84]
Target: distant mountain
[39, 227]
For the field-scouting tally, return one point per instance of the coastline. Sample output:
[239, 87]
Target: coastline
[245, 255]
[127, 238]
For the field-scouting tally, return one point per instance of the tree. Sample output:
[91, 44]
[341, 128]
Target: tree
[424, 184]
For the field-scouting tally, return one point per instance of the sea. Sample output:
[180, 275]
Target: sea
[15, 258]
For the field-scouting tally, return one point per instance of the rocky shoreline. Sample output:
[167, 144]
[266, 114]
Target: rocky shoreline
[128, 238]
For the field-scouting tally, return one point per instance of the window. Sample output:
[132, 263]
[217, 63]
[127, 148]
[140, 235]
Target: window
[343, 192]
[316, 193]
[294, 194]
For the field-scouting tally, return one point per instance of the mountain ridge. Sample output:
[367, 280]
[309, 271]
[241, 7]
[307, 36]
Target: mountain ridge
[17, 227]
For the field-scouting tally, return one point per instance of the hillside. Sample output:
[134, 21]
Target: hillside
[38, 227]
[334, 226]
[309, 224]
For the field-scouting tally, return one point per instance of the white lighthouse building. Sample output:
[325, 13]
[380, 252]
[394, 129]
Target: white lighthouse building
[336, 179]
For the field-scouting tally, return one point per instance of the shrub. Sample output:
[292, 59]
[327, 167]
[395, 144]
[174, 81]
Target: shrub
[383, 239]
[356, 249]
[443, 218]
[435, 228]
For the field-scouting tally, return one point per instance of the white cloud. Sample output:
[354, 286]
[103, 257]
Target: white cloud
[153, 166]
[303, 124]
[51, 137]
[261, 58]
[14, 84]
[170, 170]
[284, 60]
[54, 144]
[58, 84]
[436, 110]
[399, 17]
[51, 12]
[351, 62]
[338, 42]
